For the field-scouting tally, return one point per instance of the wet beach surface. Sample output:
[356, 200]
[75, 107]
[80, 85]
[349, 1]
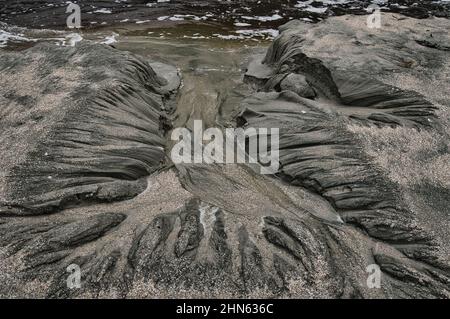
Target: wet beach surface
[87, 177]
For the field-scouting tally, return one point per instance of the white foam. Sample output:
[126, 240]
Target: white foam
[103, 10]
[6, 37]
[242, 24]
[260, 33]
[263, 18]
[71, 39]
[249, 34]
[110, 39]
[307, 5]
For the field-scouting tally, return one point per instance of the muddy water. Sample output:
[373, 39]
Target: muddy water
[212, 69]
